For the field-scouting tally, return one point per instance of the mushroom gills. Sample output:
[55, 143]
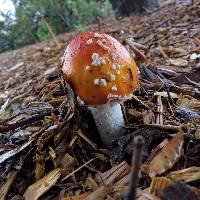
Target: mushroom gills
[109, 121]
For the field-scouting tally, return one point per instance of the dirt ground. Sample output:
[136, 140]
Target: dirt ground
[50, 146]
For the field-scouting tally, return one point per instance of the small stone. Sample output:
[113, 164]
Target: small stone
[194, 56]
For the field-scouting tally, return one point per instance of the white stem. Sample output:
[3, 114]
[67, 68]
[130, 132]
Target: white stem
[109, 121]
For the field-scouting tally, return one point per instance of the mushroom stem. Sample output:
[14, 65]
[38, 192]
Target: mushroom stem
[109, 120]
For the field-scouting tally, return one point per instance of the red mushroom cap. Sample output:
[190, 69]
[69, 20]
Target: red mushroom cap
[99, 68]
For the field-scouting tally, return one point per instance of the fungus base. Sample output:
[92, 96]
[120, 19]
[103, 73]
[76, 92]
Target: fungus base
[109, 121]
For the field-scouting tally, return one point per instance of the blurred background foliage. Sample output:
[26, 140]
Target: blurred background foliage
[28, 25]
[33, 17]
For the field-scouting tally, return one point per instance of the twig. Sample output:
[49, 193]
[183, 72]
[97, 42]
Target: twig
[162, 126]
[193, 82]
[141, 102]
[92, 144]
[136, 164]
[138, 53]
[140, 46]
[66, 177]
[51, 32]
[163, 52]
[159, 118]
[170, 100]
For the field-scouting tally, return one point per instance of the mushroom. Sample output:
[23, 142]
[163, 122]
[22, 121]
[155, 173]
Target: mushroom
[102, 74]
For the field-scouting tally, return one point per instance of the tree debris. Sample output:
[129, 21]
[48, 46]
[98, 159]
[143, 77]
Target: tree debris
[50, 147]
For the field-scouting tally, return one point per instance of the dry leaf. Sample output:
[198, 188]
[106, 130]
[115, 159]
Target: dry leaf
[66, 163]
[158, 184]
[100, 193]
[178, 62]
[91, 183]
[165, 156]
[6, 186]
[80, 133]
[115, 175]
[49, 71]
[13, 152]
[178, 191]
[83, 196]
[186, 175]
[135, 114]
[197, 133]
[165, 94]
[145, 195]
[186, 101]
[148, 117]
[40, 187]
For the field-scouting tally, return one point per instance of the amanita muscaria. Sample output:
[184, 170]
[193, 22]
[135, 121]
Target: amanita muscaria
[102, 74]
